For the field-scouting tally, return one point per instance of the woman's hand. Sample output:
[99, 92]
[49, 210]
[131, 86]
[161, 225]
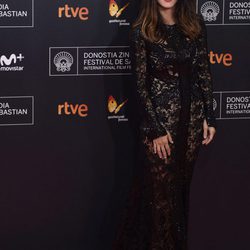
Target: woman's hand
[161, 146]
[208, 133]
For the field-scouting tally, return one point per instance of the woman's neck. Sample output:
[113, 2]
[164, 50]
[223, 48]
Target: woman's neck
[167, 15]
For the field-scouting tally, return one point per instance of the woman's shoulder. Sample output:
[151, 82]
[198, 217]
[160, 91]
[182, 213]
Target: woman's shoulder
[201, 20]
[203, 27]
[135, 32]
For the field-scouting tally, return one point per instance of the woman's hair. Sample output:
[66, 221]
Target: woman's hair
[185, 16]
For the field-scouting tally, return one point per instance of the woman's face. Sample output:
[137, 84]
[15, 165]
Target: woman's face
[167, 4]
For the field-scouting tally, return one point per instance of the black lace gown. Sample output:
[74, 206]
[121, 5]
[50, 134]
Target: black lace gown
[174, 86]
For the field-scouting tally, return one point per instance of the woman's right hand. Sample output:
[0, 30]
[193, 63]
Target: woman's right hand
[161, 146]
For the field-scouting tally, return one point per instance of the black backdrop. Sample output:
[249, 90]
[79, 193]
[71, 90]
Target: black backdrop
[65, 170]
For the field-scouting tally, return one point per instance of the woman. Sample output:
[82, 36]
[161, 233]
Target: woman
[174, 87]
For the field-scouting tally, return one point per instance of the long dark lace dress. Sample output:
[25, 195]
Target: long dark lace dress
[174, 86]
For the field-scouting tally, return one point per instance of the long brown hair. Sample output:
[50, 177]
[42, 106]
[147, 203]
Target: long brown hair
[185, 16]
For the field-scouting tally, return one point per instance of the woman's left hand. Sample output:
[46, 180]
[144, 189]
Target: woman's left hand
[208, 133]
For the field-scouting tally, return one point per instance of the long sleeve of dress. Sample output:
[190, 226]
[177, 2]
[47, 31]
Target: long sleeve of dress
[139, 70]
[204, 77]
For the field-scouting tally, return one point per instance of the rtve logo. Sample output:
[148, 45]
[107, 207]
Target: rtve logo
[221, 58]
[73, 12]
[73, 109]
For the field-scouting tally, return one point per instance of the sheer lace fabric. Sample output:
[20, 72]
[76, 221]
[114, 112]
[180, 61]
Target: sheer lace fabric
[174, 86]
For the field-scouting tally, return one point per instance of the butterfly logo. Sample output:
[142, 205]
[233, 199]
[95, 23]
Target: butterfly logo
[114, 9]
[113, 106]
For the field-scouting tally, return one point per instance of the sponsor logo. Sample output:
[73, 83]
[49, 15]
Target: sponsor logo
[63, 61]
[16, 14]
[11, 63]
[114, 109]
[225, 12]
[238, 11]
[16, 110]
[70, 12]
[68, 109]
[221, 58]
[210, 11]
[215, 105]
[80, 61]
[233, 104]
[116, 12]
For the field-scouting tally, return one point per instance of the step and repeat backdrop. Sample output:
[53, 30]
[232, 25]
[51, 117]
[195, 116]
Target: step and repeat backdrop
[68, 125]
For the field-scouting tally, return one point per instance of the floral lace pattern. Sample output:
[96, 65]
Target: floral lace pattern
[174, 87]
